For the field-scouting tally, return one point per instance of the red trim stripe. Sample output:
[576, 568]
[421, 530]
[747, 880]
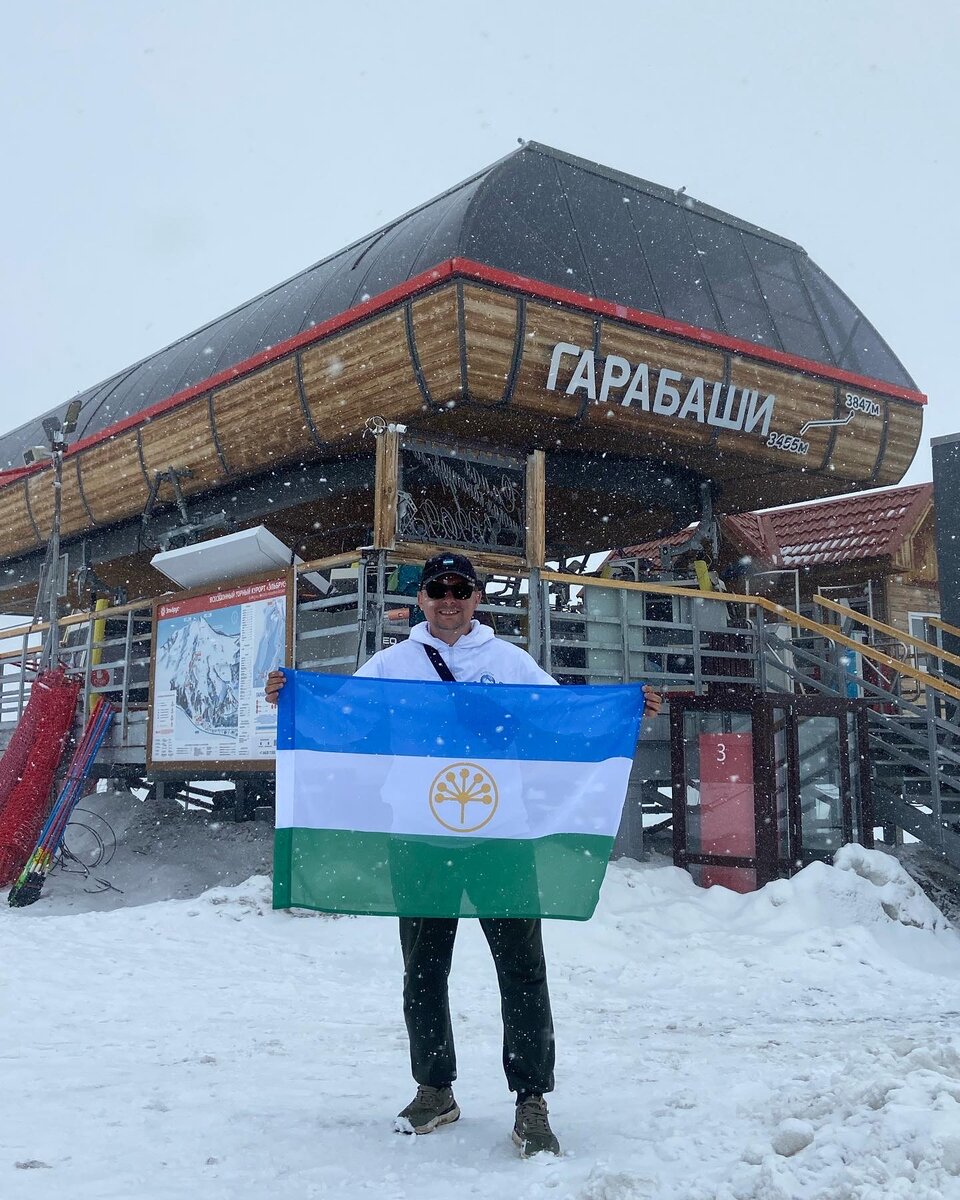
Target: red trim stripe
[634, 316]
[465, 268]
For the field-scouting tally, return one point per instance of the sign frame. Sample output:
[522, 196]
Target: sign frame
[484, 459]
[196, 768]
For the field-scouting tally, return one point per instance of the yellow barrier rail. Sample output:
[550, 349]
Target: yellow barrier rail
[897, 634]
[491, 563]
[784, 614]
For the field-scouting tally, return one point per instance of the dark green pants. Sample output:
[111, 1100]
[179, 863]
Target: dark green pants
[517, 949]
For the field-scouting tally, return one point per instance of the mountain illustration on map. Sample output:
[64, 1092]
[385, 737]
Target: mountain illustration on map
[201, 666]
[270, 645]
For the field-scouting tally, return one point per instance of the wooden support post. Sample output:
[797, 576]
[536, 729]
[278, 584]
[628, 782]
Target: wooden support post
[385, 498]
[535, 508]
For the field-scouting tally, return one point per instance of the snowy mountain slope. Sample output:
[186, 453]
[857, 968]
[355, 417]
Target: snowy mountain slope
[799, 1042]
[201, 666]
[270, 645]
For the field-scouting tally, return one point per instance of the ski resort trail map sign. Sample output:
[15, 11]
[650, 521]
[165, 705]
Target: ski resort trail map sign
[211, 657]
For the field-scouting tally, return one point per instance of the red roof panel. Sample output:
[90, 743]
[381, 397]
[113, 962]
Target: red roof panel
[866, 525]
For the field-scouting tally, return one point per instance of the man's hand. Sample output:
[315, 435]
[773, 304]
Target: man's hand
[275, 681]
[652, 701]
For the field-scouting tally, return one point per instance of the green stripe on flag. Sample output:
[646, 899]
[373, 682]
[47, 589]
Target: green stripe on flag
[381, 874]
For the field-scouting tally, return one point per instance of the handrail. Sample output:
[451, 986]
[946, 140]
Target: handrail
[873, 623]
[929, 681]
[414, 552]
[937, 623]
[497, 564]
[332, 560]
[79, 618]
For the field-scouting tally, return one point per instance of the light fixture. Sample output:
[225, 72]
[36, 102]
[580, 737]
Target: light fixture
[35, 454]
[71, 416]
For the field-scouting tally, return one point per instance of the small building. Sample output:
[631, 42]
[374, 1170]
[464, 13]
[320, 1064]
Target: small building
[874, 551]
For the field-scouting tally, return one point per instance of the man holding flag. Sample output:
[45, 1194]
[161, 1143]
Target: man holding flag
[509, 873]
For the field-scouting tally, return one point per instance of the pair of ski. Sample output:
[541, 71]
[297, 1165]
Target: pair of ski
[29, 884]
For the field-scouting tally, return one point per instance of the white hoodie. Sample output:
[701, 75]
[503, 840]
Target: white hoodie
[479, 656]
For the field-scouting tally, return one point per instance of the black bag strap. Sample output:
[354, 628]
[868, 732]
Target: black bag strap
[439, 665]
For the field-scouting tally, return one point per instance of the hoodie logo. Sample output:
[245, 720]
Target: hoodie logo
[486, 677]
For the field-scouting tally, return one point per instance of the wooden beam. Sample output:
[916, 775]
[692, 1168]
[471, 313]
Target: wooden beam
[385, 494]
[535, 508]
[486, 564]
[938, 623]
[897, 634]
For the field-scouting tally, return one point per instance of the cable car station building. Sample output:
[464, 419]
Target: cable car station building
[549, 359]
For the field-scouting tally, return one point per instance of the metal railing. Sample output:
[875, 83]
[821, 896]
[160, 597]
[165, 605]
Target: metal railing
[582, 630]
[109, 650]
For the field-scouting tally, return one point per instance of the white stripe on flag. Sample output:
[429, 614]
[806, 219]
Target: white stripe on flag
[490, 798]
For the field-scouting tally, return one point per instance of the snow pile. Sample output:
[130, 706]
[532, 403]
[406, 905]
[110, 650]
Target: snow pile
[154, 851]
[800, 1043]
[890, 1131]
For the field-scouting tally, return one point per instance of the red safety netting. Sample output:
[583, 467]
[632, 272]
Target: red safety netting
[29, 765]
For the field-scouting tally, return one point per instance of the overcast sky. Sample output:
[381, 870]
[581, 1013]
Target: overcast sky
[165, 162]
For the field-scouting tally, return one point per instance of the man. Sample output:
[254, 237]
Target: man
[452, 644]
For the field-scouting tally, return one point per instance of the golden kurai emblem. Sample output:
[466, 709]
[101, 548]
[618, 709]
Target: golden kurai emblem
[464, 797]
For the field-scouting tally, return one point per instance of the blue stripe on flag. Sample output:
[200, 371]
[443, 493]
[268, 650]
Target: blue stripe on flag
[458, 720]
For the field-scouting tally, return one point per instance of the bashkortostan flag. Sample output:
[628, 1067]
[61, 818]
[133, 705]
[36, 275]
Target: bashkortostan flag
[449, 799]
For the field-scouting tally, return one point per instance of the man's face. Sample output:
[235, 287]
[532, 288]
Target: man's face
[448, 614]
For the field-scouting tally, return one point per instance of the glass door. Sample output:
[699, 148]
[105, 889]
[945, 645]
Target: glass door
[823, 786]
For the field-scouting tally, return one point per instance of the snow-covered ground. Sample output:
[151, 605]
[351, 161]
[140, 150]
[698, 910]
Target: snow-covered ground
[800, 1042]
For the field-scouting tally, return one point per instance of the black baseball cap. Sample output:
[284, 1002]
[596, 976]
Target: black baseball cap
[448, 564]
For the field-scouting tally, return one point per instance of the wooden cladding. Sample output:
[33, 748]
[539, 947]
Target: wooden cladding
[491, 333]
[362, 373]
[434, 344]
[113, 479]
[73, 515]
[903, 436]
[15, 514]
[262, 420]
[471, 359]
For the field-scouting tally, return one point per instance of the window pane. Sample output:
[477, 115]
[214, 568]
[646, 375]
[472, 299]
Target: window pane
[821, 803]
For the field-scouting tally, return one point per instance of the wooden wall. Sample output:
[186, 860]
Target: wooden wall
[469, 360]
[904, 597]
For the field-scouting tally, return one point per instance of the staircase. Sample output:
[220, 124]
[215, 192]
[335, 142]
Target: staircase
[913, 721]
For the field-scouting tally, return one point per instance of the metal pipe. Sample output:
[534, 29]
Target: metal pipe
[933, 760]
[127, 677]
[697, 648]
[547, 662]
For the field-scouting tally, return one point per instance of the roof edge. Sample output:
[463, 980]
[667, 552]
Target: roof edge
[467, 269]
[675, 196]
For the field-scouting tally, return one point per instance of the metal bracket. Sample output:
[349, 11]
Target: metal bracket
[704, 539]
[87, 578]
[187, 531]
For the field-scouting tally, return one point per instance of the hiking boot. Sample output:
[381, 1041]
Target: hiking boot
[429, 1108]
[531, 1129]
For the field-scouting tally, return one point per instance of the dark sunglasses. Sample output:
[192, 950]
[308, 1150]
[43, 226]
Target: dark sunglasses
[459, 591]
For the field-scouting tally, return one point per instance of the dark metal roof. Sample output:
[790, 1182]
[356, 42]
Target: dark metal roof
[557, 219]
